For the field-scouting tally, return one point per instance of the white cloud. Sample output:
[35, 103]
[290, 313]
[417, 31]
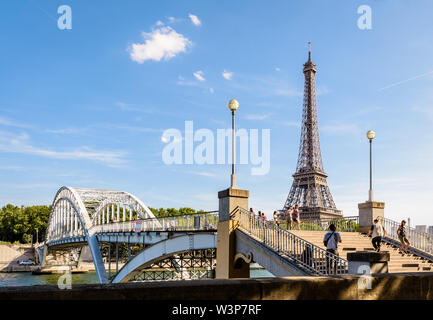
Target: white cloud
[10, 123]
[79, 131]
[159, 23]
[11, 168]
[181, 81]
[171, 19]
[204, 173]
[134, 108]
[277, 69]
[167, 138]
[195, 20]
[257, 116]
[199, 75]
[163, 43]
[322, 90]
[227, 75]
[284, 90]
[341, 128]
[13, 143]
[291, 124]
[211, 90]
[428, 111]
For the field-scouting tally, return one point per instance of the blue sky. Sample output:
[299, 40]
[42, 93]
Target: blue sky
[82, 107]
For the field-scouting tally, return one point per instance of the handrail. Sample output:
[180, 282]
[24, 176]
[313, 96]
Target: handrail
[189, 222]
[306, 254]
[201, 221]
[343, 224]
[419, 240]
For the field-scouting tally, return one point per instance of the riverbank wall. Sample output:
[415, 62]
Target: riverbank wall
[12, 254]
[408, 286]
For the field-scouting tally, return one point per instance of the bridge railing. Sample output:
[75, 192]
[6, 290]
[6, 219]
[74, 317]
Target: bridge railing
[419, 240]
[313, 258]
[343, 224]
[201, 221]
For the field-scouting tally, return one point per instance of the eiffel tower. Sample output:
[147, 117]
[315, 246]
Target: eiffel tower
[310, 189]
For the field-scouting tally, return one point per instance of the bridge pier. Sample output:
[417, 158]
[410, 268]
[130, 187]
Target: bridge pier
[227, 266]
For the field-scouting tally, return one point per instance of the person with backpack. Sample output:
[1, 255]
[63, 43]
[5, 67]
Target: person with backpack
[401, 232]
[377, 232]
[331, 240]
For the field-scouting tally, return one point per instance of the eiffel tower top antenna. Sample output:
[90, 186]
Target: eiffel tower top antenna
[309, 51]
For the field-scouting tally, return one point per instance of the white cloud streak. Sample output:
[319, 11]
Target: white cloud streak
[340, 128]
[12, 143]
[257, 116]
[407, 80]
[10, 123]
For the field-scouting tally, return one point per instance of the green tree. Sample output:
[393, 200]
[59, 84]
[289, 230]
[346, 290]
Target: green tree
[20, 223]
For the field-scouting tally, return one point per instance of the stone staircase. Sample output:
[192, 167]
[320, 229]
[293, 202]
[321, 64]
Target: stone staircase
[354, 241]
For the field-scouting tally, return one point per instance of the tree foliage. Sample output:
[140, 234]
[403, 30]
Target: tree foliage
[19, 224]
[169, 212]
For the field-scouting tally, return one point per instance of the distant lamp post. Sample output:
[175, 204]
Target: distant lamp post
[370, 136]
[233, 106]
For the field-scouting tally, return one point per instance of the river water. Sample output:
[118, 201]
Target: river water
[28, 279]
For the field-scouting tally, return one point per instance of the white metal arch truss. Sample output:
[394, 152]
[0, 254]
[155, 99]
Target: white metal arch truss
[164, 249]
[119, 206]
[76, 210]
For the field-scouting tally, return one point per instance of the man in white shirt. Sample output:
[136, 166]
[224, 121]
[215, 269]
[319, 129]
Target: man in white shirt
[377, 231]
[331, 240]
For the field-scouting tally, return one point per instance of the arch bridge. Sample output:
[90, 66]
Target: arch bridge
[118, 223]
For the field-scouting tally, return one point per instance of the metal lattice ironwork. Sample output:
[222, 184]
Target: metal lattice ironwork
[310, 189]
[190, 265]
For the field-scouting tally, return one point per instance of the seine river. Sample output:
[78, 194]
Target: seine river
[28, 279]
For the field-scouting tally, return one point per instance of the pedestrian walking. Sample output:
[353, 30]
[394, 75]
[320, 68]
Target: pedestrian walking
[259, 218]
[331, 240]
[296, 217]
[401, 232]
[288, 217]
[377, 232]
[251, 212]
[276, 218]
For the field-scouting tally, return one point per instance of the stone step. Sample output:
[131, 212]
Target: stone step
[399, 262]
[401, 270]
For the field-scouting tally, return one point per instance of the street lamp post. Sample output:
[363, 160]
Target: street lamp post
[233, 106]
[370, 136]
[371, 209]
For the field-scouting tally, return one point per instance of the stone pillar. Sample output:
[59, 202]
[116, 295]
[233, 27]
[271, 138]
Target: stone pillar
[368, 211]
[366, 262]
[229, 199]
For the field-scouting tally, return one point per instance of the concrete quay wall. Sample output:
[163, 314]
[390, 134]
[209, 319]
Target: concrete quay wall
[383, 287]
